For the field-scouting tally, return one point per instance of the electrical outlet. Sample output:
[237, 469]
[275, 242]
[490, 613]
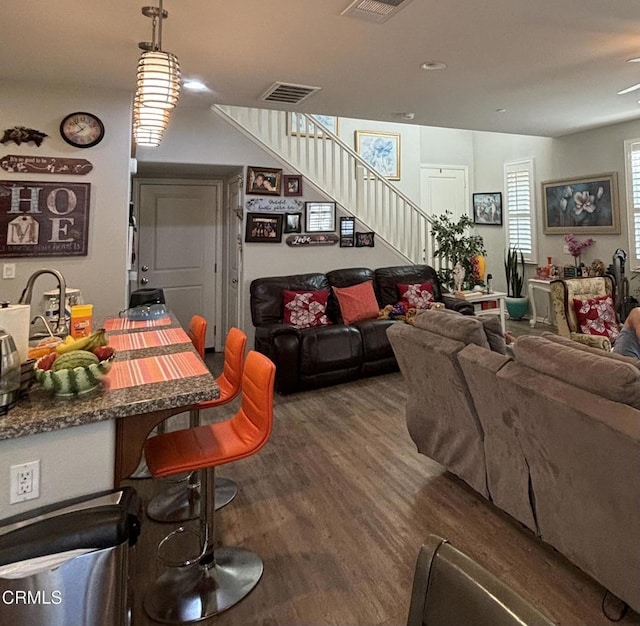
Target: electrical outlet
[8, 270]
[24, 482]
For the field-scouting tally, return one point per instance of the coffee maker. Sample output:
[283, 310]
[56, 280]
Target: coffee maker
[9, 372]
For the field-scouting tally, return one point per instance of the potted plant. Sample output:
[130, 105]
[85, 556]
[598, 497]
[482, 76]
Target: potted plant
[452, 245]
[517, 304]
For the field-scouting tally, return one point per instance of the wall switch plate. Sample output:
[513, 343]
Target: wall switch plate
[8, 270]
[24, 482]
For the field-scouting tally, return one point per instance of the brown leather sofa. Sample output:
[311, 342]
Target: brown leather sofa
[327, 355]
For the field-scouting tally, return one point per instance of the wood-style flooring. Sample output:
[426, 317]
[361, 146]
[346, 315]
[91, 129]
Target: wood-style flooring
[337, 505]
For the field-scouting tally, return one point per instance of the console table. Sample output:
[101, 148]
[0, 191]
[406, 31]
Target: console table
[541, 284]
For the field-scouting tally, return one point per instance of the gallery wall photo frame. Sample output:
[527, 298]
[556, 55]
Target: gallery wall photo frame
[319, 217]
[487, 208]
[263, 228]
[381, 151]
[297, 125]
[365, 240]
[263, 181]
[292, 184]
[586, 205]
[292, 222]
[347, 232]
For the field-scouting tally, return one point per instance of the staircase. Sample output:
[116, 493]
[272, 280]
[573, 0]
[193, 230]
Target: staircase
[339, 172]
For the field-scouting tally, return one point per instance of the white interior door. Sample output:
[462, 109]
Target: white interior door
[233, 253]
[178, 247]
[444, 188]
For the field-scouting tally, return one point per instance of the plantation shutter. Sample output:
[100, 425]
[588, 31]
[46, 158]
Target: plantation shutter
[520, 207]
[633, 202]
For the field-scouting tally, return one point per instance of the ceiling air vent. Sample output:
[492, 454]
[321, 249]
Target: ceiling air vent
[375, 10]
[289, 93]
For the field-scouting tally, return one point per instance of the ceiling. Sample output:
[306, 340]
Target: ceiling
[554, 65]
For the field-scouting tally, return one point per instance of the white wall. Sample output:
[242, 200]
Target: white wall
[79, 460]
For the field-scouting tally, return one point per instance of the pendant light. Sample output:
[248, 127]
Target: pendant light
[158, 84]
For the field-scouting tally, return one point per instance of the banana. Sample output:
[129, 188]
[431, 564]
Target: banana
[74, 344]
[99, 338]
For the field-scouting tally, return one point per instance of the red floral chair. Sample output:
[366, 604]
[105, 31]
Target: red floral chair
[585, 311]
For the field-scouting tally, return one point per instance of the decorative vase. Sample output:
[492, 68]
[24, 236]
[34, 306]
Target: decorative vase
[517, 307]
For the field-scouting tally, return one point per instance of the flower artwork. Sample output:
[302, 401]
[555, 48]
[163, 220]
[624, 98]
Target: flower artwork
[576, 247]
[381, 151]
[586, 204]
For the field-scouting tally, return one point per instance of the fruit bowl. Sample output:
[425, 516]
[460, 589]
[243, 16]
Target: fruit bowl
[73, 381]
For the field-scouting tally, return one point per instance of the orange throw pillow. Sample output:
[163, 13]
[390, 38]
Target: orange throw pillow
[357, 302]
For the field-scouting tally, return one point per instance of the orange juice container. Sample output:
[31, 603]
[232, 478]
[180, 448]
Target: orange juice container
[81, 320]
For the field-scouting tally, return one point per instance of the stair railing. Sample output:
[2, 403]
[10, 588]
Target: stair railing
[340, 173]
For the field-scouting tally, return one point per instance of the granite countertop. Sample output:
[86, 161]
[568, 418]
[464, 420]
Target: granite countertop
[41, 411]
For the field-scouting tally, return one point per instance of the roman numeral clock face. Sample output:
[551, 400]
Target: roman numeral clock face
[82, 130]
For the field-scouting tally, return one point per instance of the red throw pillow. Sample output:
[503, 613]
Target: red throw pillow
[357, 302]
[596, 316]
[417, 295]
[304, 309]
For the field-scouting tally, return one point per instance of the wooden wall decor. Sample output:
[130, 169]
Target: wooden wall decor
[22, 134]
[327, 239]
[39, 219]
[28, 164]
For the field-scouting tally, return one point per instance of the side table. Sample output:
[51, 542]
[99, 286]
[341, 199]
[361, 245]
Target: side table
[495, 296]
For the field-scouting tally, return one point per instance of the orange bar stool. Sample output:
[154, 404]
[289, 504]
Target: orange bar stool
[181, 502]
[219, 577]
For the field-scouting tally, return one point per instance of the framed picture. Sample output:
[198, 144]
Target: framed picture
[347, 232]
[365, 240]
[487, 208]
[264, 181]
[298, 125]
[292, 223]
[292, 185]
[381, 151]
[320, 217]
[263, 228]
[587, 205]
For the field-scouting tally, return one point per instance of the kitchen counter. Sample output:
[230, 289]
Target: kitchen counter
[137, 409]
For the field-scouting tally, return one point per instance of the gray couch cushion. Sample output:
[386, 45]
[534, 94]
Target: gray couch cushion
[453, 325]
[590, 349]
[599, 374]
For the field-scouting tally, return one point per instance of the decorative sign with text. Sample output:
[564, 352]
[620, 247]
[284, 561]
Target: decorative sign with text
[329, 239]
[43, 219]
[273, 204]
[26, 164]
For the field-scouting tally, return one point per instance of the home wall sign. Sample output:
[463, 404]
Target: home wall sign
[44, 219]
[271, 204]
[27, 164]
[329, 239]
[22, 134]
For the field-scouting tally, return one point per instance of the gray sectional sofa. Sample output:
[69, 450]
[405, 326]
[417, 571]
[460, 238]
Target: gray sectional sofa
[549, 433]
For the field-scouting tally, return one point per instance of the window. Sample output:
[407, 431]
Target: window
[632, 160]
[520, 208]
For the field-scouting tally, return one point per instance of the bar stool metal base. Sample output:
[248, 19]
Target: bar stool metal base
[181, 502]
[197, 592]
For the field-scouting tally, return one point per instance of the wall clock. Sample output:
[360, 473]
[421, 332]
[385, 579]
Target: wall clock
[81, 129]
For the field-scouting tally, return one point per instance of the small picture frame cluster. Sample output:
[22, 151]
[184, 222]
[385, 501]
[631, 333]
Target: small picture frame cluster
[487, 208]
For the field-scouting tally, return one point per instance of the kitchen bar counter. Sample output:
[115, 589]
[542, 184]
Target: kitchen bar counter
[137, 408]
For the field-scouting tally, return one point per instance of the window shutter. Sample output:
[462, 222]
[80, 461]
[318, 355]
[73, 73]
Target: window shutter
[520, 215]
[633, 202]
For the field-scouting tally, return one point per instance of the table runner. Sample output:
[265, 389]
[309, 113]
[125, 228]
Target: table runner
[149, 339]
[122, 323]
[154, 369]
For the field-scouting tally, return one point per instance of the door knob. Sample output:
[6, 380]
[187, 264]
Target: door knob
[144, 268]
[144, 281]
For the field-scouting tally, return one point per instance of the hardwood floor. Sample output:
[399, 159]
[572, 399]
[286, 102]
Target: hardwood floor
[337, 505]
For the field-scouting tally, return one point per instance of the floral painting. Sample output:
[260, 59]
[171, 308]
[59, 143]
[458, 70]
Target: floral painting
[586, 205]
[381, 151]
[298, 125]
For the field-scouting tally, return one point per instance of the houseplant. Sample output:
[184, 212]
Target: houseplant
[517, 304]
[452, 245]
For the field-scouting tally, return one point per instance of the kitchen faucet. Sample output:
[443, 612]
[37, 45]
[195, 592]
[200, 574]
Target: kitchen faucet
[61, 329]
